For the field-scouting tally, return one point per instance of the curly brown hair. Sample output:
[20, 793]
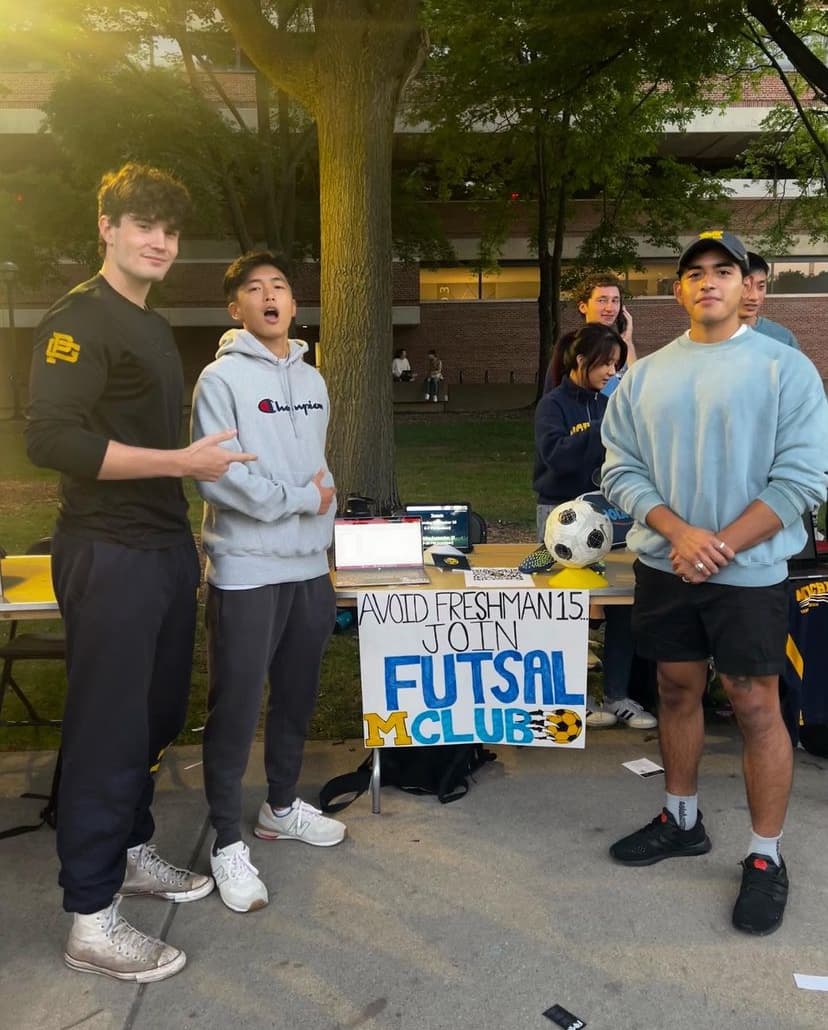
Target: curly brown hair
[144, 192]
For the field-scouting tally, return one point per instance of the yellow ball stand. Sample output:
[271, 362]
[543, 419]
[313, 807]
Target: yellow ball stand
[578, 579]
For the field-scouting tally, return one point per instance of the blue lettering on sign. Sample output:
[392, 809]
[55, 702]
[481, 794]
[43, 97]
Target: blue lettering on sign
[430, 697]
[418, 733]
[536, 667]
[449, 736]
[543, 679]
[475, 659]
[482, 731]
[506, 695]
[559, 677]
[394, 685]
[518, 728]
[491, 726]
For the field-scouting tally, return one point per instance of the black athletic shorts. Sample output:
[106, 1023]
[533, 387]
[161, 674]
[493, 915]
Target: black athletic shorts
[743, 629]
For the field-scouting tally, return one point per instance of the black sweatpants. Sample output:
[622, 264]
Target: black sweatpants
[129, 616]
[276, 633]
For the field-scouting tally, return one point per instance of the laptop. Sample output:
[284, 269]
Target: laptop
[809, 562]
[378, 552]
[448, 523]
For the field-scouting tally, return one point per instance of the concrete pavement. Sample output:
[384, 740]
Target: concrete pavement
[478, 914]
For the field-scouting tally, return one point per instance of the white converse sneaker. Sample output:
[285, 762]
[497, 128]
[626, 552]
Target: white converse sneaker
[105, 943]
[237, 878]
[597, 716]
[302, 822]
[631, 713]
[147, 873]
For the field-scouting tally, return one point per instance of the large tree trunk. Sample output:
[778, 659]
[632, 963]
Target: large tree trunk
[549, 263]
[354, 118]
[348, 74]
[547, 322]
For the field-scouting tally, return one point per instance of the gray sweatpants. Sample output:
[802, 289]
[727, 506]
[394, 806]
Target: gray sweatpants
[276, 633]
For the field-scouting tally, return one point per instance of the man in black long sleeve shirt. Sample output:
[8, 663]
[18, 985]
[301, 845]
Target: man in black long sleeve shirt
[106, 398]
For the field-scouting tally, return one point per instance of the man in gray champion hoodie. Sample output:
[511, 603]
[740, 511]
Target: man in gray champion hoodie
[270, 602]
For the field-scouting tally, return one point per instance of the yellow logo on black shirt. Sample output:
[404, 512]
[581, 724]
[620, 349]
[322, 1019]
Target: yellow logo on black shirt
[62, 347]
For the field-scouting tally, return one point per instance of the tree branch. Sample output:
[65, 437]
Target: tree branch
[806, 62]
[821, 147]
[205, 66]
[285, 57]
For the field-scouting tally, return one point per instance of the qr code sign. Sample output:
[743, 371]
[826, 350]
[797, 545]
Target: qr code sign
[497, 575]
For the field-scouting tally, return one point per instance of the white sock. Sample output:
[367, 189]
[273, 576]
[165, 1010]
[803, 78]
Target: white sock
[684, 809]
[766, 846]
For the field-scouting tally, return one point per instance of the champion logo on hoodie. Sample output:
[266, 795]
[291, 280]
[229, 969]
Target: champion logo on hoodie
[271, 407]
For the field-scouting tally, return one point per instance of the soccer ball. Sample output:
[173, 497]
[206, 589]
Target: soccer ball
[577, 534]
[563, 725]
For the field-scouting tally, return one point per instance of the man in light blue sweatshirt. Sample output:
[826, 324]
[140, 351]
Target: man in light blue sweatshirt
[716, 446]
[270, 601]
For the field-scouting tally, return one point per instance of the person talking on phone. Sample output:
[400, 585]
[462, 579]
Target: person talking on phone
[599, 300]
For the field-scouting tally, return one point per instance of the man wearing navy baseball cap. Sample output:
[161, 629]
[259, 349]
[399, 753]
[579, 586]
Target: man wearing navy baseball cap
[711, 239]
[715, 446]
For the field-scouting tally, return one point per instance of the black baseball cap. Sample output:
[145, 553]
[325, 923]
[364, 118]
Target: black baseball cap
[720, 238]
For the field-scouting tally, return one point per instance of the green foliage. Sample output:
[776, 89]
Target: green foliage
[148, 114]
[791, 154]
[517, 70]
[135, 83]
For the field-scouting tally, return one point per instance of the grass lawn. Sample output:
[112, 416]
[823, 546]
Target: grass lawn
[486, 460]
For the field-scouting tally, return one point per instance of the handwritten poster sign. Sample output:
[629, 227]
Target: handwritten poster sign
[501, 666]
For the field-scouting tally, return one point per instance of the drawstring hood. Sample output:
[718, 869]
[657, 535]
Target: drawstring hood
[261, 522]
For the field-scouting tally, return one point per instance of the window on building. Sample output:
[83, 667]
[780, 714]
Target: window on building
[798, 275]
[654, 279]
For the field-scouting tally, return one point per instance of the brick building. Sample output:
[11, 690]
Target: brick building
[484, 326]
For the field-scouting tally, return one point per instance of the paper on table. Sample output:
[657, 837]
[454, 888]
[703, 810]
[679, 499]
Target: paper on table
[811, 983]
[643, 767]
[479, 577]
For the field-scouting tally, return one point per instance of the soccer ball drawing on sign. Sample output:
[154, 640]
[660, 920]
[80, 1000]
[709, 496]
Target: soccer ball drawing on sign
[577, 534]
[561, 725]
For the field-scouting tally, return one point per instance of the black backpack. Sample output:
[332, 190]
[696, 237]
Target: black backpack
[442, 770]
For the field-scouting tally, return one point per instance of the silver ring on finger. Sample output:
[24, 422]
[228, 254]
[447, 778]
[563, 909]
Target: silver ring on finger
[700, 567]
[684, 579]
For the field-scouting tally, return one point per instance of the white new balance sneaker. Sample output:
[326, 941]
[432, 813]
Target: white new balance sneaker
[632, 714]
[149, 874]
[302, 822]
[106, 944]
[237, 878]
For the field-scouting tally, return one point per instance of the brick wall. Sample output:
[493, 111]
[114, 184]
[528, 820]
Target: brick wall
[498, 337]
[501, 336]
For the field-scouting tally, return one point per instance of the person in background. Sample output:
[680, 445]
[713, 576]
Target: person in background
[270, 602]
[715, 524]
[568, 454]
[106, 403]
[401, 367]
[434, 376]
[756, 287]
[599, 300]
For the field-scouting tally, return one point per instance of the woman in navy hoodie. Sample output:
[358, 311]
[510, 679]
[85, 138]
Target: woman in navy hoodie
[568, 447]
[568, 452]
